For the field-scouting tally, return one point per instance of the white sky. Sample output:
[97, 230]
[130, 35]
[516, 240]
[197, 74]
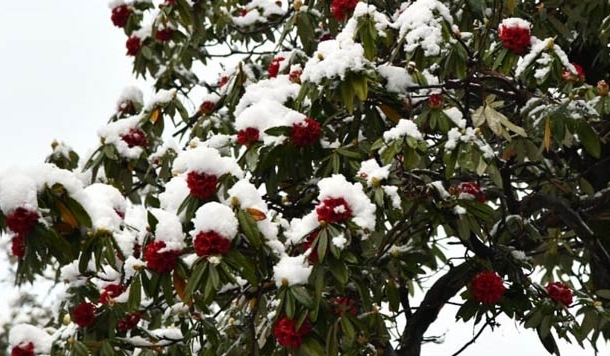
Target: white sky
[63, 68]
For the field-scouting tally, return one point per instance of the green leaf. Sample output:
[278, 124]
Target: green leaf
[249, 228]
[588, 138]
[135, 294]
[338, 269]
[193, 282]
[301, 294]
[604, 293]
[391, 291]
[332, 348]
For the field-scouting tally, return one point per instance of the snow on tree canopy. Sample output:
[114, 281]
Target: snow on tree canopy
[278, 89]
[421, 25]
[114, 132]
[266, 114]
[176, 190]
[168, 230]
[363, 210]
[207, 160]
[405, 127]
[215, 217]
[21, 334]
[398, 79]
[372, 172]
[17, 190]
[105, 205]
[291, 271]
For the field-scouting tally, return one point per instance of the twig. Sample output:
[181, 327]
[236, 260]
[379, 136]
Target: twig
[472, 341]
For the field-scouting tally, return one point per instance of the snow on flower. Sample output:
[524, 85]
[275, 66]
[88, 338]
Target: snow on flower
[129, 98]
[363, 9]
[24, 334]
[114, 132]
[515, 34]
[216, 217]
[207, 160]
[161, 97]
[404, 128]
[420, 25]
[397, 78]
[258, 11]
[363, 211]
[105, 205]
[291, 271]
[17, 191]
[168, 230]
[372, 172]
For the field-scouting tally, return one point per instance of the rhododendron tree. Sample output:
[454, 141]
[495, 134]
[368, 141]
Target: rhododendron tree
[353, 168]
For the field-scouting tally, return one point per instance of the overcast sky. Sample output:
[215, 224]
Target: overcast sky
[63, 67]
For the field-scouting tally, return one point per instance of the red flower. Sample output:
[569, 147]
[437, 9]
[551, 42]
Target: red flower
[23, 349]
[332, 210]
[126, 107]
[274, 67]
[305, 133]
[131, 321]
[568, 76]
[515, 36]
[211, 243]
[120, 15]
[110, 292]
[223, 81]
[313, 255]
[21, 221]
[340, 8]
[84, 314]
[487, 288]
[170, 2]
[160, 262]
[243, 12]
[344, 304]
[473, 189]
[248, 136]
[559, 293]
[286, 333]
[295, 76]
[18, 246]
[135, 137]
[207, 107]
[435, 101]
[201, 185]
[165, 34]
[133, 44]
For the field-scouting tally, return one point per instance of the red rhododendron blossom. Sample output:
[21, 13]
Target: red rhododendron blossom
[170, 2]
[559, 293]
[306, 133]
[340, 8]
[286, 333]
[435, 101]
[473, 189]
[110, 292]
[295, 76]
[487, 287]
[133, 44]
[23, 349]
[344, 304]
[21, 221]
[274, 67]
[211, 243]
[120, 15]
[207, 107]
[131, 321]
[248, 136]
[160, 262]
[223, 81]
[164, 34]
[333, 210]
[568, 76]
[84, 314]
[135, 138]
[201, 185]
[243, 12]
[18, 246]
[515, 34]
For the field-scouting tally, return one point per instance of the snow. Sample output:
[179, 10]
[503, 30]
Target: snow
[363, 210]
[169, 145]
[366, 10]
[398, 79]
[420, 25]
[176, 190]
[339, 241]
[438, 185]
[291, 271]
[132, 265]
[515, 22]
[279, 89]
[112, 132]
[168, 230]
[258, 12]
[536, 50]
[266, 114]
[216, 217]
[102, 204]
[456, 117]
[372, 172]
[392, 192]
[130, 94]
[162, 97]
[17, 190]
[207, 160]
[25, 333]
[404, 127]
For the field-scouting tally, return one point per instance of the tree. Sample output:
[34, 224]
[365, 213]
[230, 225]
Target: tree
[315, 185]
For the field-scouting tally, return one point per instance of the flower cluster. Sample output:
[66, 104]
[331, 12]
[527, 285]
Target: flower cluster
[164, 34]
[287, 334]
[305, 133]
[341, 8]
[120, 15]
[313, 254]
[559, 293]
[471, 190]
[23, 349]
[487, 287]
[435, 101]
[84, 314]
[568, 76]
[274, 67]
[515, 34]
[135, 138]
[333, 210]
[133, 45]
[343, 305]
[130, 321]
[110, 292]
[18, 246]
[159, 260]
[248, 136]
[211, 243]
[21, 221]
[201, 185]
